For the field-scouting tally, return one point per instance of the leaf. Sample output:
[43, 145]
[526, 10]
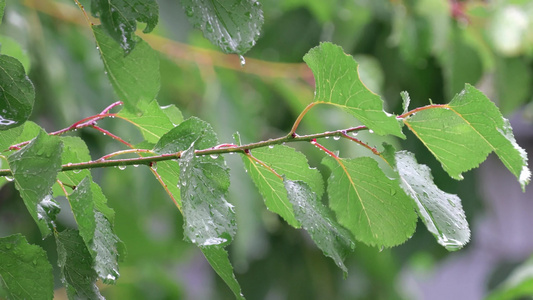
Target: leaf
[75, 263]
[233, 25]
[96, 231]
[373, 207]
[287, 162]
[462, 133]
[179, 138]
[329, 236]
[208, 218]
[135, 77]
[16, 93]
[12, 48]
[119, 18]
[518, 285]
[337, 83]
[7, 137]
[153, 120]
[35, 169]
[218, 259]
[442, 213]
[25, 272]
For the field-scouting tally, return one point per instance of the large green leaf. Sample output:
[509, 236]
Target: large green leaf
[135, 77]
[204, 182]
[337, 83]
[442, 213]
[152, 120]
[232, 25]
[180, 138]
[461, 135]
[334, 241]
[25, 272]
[218, 259]
[285, 161]
[96, 231]
[75, 262]
[120, 17]
[16, 93]
[35, 169]
[373, 207]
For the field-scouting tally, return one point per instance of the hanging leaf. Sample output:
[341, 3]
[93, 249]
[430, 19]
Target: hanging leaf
[35, 169]
[16, 93]
[329, 236]
[135, 77]
[232, 25]
[442, 213]
[286, 161]
[373, 207]
[25, 272]
[75, 262]
[119, 18]
[337, 83]
[462, 133]
[218, 259]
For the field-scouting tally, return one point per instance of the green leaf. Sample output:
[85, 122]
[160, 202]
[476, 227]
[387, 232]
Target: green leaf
[218, 259]
[373, 207]
[285, 161]
[135, 77]
[179, 138]
[25, 272]
[461, 135]
[35, 169]
[208, 218]
[7, 137]
[96, 231]
[335, 241]
[12, 48]
[232, 25]
[16, 93]
[153, 121]
[512, 83]
[75, 263]
[119, 18]
[442, 213]
[519, 284]
[337, 83]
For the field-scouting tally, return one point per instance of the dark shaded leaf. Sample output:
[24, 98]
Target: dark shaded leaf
[25, 272]
[329, 236]
[232, 25]
[16, 93]
[35, 168]
[120, 17]
[75, 262]
[218, 259]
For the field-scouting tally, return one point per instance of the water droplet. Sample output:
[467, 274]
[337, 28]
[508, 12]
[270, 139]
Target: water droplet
[271, 146]
[122, 167]
[135, 166]
[370, 131]
[451, 202]
[154, 166]
[381, 249]
[209, 27]
[77, 171]
[248, 14]
[243, 60]
[354, 134]
[337, 137]
[9, 178]
[97, 48]
[214, 156]
[189, 11]
[327, 137]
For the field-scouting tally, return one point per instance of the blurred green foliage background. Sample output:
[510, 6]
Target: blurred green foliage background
[429, 48]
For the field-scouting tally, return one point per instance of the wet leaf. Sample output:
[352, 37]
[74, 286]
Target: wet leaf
[461, 135]
[35, 168]
[329, 236]
[373, 207]
[219, 261]
[286, 162]
[180, 138]
[232, 25]
[135, 77]
[208, 218]
[119, 18]
[153, 121]
[7, 137]
[337, 83]
[16, 93]
[442, 213]
[75, 262]
[96, 231]
[25, 272]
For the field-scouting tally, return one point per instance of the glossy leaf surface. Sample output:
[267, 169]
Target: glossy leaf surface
[218, 259]
[232, 25]
[16, 93]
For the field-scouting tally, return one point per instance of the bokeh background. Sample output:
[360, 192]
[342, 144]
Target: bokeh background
[429, 48]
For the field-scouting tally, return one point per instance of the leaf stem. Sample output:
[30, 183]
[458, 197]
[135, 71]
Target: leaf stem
[315, 143]
[374, 150]
[121, 152]
[262, 163]
[407, 114]
[300, 117]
